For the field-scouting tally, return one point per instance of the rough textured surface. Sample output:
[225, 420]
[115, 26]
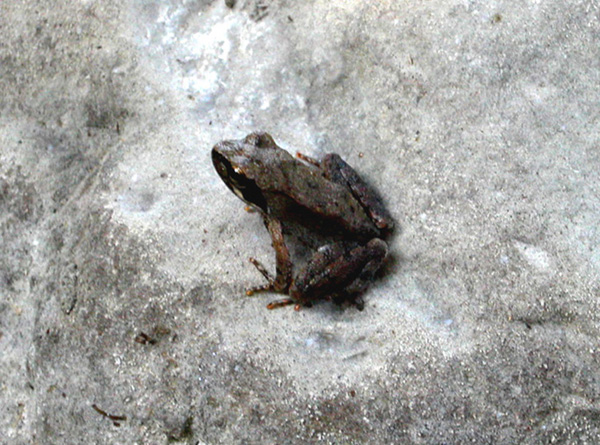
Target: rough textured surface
[478, 122]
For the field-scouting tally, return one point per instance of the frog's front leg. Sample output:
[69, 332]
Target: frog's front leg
[283, 265]
[339, 269]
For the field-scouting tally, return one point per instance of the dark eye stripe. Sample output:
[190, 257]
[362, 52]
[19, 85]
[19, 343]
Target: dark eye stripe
[241, 185]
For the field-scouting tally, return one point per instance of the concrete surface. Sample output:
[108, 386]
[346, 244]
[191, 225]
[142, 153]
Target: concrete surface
[124, 257]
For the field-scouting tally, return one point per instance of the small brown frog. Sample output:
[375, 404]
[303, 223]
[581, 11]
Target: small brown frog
[327, 198]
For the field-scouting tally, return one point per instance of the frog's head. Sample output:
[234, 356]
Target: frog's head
[238, 165]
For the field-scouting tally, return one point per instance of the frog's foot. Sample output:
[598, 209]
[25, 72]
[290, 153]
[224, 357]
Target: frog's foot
[286, 302]
[277, 284]
[265, 273]
[281, 303]
[270, 286]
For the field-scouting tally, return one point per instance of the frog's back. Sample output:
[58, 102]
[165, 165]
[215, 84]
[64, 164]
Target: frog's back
[301, 193]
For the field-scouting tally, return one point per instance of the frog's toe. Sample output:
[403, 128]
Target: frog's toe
[264, 288]
[287, 302]
[280, 303]
[265, 273]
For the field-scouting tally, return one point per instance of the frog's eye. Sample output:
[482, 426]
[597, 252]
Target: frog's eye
[260, 140]
[221, 169]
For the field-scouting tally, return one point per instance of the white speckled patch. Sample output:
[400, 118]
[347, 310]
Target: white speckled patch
[536, 257]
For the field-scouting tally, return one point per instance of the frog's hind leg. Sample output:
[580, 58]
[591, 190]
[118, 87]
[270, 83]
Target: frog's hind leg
[337, 170]
[341, 271]
[366, 275]
[353, 293]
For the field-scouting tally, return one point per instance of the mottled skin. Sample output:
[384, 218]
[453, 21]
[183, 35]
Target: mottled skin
[326, 197]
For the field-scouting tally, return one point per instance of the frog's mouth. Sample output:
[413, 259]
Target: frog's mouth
[244, 187]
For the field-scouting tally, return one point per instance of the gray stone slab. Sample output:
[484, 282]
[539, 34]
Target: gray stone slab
[124, 257]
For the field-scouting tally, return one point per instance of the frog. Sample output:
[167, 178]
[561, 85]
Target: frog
[324, 197]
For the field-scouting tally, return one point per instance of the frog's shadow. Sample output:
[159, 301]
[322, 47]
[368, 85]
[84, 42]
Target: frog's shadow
[394, 259]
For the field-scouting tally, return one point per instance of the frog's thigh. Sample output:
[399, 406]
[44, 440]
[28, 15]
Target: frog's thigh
[337, 170]
[376, 251]
[335, 267]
